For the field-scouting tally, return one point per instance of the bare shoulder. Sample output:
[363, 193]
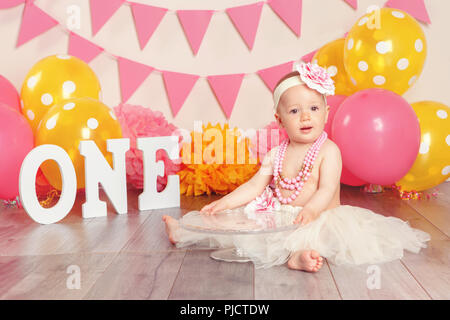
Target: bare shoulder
[331, 149]
[331, 146]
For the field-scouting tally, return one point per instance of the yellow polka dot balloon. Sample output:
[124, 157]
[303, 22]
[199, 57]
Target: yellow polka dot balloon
[71, 121]
[432, 165]
[54, 79]
[331, 57]
[386, 49]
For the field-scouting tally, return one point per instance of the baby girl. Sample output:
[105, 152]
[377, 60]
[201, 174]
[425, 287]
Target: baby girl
[304, 174]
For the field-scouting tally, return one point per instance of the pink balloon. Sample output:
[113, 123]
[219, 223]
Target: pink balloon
[8, 94]
[16, 141]
[346, 176]
[350, 179]
[334, 102]
[379, 135]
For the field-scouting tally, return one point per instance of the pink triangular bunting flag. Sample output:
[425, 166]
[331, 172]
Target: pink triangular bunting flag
[178, 87]
[416, 8]
[272, 75]
[308, 57]
[146, 19]
[34, 22]
[246, 20]
[6, 4]
[353, 3]
[82, 48]
[131, 74]
[290, 11]
[226, 89]
[102, 11]
[195, 23]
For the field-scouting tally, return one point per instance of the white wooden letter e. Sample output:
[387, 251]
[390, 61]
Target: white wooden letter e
[170, 196]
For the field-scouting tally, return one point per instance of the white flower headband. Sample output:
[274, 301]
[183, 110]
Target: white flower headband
[314, 76]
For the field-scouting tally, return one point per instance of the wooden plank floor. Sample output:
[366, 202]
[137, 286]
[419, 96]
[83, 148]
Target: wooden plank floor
[129, 257]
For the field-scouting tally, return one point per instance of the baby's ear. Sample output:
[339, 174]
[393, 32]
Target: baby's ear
[277, 117]
[328, 112]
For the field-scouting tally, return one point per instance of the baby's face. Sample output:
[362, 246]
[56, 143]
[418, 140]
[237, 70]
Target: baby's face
[301, 107]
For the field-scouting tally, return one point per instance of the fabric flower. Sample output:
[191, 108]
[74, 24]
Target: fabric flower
[316, 78]
[265, 202]
[138, 121]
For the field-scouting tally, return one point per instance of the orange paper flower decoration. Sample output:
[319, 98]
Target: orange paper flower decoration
[215, 160]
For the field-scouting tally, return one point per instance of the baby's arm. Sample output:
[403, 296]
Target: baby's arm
[247, 191]
[329, 179]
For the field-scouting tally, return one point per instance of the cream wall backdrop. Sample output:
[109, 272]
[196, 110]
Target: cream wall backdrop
[222, 52]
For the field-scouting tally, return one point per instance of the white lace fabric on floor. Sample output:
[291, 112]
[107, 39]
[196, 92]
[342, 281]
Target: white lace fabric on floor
[343, 235]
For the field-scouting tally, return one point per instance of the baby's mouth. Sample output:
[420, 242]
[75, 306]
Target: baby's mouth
[306, 128]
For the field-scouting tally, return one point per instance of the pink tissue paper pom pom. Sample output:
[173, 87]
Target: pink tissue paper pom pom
[266, 136]
[136, 122]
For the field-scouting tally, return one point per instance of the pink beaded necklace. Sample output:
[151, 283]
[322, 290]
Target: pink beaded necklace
[298, 182]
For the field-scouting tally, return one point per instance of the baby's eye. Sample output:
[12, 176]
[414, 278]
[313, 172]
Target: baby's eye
[314, 108]
[293, 111]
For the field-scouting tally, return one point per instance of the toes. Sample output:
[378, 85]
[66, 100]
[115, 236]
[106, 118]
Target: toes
[314, 268]
[314, 254]
[318, 266]
[310, 261]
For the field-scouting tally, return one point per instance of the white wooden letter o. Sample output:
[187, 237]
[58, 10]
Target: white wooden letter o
[27, 180]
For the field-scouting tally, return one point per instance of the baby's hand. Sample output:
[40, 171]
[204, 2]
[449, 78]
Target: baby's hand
[305, 216]
[215, 206]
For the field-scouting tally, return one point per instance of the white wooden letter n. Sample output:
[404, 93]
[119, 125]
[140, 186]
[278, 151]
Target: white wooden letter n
[113, 180]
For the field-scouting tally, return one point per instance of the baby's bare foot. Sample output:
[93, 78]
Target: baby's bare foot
[171, 226]
[308, 260]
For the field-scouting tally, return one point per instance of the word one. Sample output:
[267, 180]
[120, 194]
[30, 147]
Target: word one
[98, 170]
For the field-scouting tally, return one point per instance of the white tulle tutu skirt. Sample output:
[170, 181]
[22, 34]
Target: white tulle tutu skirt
[344, 235]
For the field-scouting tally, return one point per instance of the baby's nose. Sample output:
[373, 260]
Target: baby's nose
[305, 116]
